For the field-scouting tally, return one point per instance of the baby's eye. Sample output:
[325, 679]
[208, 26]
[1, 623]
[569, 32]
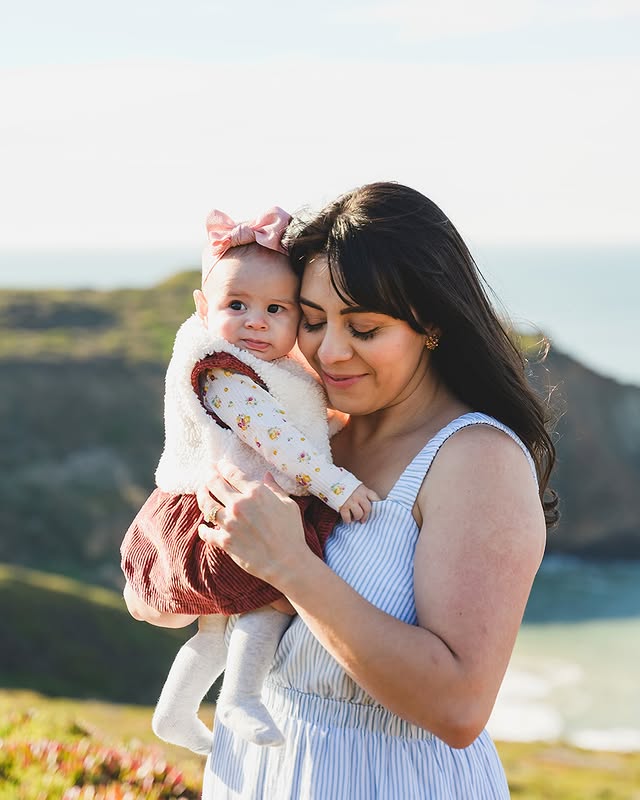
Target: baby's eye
[237, 305]
[310, 326]
[274, 308]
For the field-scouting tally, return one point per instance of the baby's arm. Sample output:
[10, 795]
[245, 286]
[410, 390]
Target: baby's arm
[253, 415]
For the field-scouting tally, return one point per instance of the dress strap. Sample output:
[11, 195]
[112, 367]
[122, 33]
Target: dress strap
[408, 484]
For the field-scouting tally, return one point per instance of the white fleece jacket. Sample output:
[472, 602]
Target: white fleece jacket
[193, 439]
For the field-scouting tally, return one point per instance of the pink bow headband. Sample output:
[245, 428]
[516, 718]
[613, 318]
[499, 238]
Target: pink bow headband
[223, 234]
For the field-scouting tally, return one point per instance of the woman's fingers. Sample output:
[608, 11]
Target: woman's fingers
[275, 487]
[235, 480]
[210, 535]
[259, 527]
[202, 497]
[212, 516]
[226, 483]
[222, 539]
[218, 492]
[224, 491]
[209, 506]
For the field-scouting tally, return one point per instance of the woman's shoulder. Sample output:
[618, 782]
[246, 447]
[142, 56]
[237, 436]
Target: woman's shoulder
[482, 476]
[482, 458]
[475, 438]
[482, 439]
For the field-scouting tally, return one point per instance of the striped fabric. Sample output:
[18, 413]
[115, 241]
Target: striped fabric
[341, 744]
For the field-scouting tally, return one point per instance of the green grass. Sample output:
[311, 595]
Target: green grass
[134, 324]
[34, 730]
[85, 750]
[66, 638]
[542, 771]
[90, 737]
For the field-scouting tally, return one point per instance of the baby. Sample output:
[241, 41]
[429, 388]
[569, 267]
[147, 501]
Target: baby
[233, 393]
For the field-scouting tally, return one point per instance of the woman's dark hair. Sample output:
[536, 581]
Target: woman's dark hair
[393, 251]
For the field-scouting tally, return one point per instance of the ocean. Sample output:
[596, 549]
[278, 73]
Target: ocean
[585, 299]
[574, 672]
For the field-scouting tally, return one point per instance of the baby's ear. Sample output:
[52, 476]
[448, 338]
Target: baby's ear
[202, 306]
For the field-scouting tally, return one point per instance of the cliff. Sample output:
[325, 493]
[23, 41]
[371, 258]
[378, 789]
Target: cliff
[598, 472]
[81, 430]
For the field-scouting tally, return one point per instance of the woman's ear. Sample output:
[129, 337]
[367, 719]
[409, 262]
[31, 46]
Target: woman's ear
[432, 337]
[202, 306]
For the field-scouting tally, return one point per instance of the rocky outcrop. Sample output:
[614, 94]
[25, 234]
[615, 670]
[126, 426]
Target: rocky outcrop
[597, 437]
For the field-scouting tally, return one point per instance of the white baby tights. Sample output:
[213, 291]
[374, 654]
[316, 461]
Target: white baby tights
[200, 661]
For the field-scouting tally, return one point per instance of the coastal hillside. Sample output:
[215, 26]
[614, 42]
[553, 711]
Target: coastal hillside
[598, 470]
[65, 638]
[81, 430]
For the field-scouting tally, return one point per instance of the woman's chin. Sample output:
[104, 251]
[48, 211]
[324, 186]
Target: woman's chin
[349, 406]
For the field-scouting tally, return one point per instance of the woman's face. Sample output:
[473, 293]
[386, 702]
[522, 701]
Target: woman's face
[367, 361]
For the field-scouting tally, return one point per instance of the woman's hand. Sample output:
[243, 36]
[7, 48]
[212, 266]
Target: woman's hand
[256, 523]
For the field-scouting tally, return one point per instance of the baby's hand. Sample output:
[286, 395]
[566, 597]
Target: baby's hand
[358, 505]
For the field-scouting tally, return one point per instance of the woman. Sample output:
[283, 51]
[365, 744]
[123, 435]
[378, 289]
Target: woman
[383, 683]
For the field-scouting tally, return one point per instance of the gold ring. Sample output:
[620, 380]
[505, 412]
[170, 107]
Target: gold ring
[211, 516]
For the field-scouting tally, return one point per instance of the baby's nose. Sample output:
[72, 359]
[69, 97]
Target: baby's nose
[256, 322]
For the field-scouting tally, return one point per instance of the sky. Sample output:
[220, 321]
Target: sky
[123, 123]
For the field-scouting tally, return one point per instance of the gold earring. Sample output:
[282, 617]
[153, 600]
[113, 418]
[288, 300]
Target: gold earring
[431, 341]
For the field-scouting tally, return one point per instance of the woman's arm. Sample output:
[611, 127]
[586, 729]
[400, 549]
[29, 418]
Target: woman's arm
[477, 554]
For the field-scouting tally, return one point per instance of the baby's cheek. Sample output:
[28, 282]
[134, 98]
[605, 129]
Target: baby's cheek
[290, 334]
[223, 326]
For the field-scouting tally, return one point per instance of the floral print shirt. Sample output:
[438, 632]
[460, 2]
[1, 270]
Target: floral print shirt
[254, 415]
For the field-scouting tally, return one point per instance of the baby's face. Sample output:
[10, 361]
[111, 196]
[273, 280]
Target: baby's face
[251, 299]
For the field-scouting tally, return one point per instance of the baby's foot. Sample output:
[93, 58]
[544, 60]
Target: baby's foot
[191, 733]
[251, 721]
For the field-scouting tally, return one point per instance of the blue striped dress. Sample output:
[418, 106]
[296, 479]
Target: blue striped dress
[340, 744]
